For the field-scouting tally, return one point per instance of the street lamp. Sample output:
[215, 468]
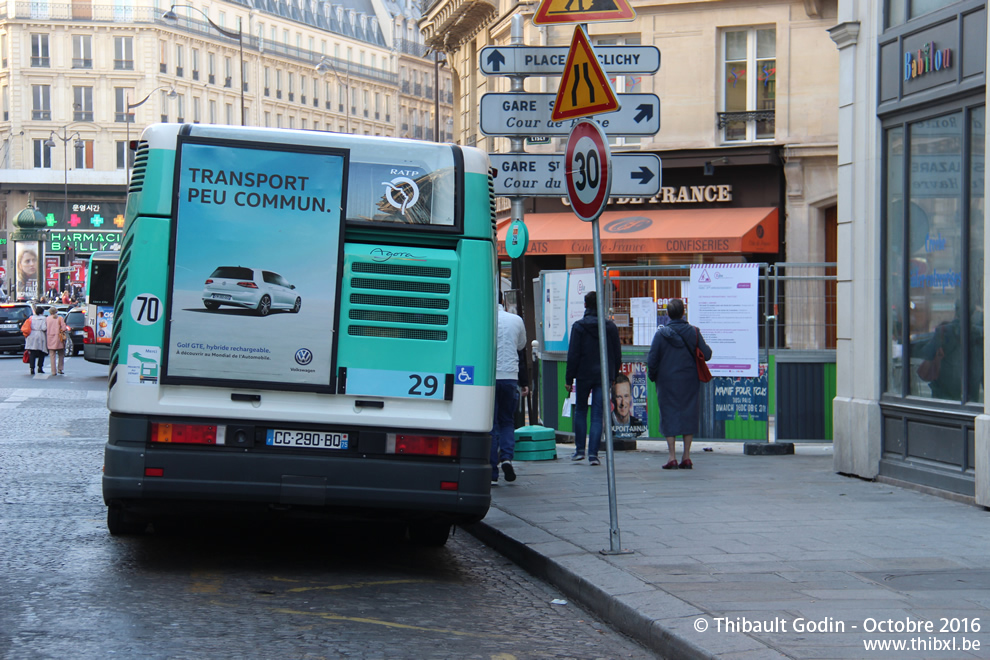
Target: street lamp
[171, 17]
[127, 118]
[78, 145]
[326, 66]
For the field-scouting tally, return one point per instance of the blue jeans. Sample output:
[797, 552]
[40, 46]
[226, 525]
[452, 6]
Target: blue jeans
[504, 428]
[582, 388]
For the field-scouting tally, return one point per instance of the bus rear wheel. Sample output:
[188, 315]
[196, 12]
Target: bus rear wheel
[429, 534]
[119, 524]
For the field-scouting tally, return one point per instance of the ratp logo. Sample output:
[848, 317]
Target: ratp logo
[304, 356]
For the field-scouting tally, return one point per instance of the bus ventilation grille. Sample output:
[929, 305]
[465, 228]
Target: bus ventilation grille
[375, 313]
[140, 167]
[491, 202]
[119, 295]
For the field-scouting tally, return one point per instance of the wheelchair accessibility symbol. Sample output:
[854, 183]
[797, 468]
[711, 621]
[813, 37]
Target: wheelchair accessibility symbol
[464, 375]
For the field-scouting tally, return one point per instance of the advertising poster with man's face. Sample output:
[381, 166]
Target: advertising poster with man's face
[629, 401]
[27, 264]
[257, 251]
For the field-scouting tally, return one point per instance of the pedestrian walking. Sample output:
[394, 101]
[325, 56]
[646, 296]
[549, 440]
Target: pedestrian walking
[584, 376]
[36, 342]
[56, 330]
[672, 365]
[511, 377]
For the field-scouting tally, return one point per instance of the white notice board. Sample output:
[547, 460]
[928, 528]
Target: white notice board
[563, 304]
[725, 306]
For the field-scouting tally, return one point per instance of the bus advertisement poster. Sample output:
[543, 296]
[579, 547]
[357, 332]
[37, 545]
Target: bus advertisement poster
[257, 241]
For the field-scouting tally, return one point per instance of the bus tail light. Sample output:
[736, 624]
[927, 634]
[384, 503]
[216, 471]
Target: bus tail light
[189, 434]
[89, 337]
[248, 285]
[422, 445]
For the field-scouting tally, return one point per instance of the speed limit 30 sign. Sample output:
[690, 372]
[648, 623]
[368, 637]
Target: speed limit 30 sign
[588, 166]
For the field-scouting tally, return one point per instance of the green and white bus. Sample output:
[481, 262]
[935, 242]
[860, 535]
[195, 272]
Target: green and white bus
[305, 326]
[101, 283]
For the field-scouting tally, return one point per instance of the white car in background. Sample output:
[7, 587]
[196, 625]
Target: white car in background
[250, 288]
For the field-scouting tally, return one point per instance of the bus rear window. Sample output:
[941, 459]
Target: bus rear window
[103, 282]
[416, 186]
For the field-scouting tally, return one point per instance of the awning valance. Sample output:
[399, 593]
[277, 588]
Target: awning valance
[688, 231]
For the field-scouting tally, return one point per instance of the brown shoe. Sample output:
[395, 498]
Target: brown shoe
[671, 465]
[686, 464]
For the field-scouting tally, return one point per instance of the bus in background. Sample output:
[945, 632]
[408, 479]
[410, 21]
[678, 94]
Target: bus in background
[101, 282]
[305, 327]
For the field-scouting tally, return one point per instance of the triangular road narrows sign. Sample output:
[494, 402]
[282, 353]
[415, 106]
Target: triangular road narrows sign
[552, 12]
[584, 87]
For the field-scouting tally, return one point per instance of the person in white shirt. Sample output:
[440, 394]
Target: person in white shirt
[511, 376]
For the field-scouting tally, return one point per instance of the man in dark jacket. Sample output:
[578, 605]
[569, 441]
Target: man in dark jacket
[584, 373]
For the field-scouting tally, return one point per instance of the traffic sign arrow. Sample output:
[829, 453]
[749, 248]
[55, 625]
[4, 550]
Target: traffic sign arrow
[515, 114]
[542, 175]
[549, 60]
[495, 59]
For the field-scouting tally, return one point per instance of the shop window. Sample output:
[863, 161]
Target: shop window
[749, 78]
[934, 281]
[901, 11]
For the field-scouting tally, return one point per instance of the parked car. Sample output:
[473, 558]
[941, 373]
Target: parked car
[76, 320]
[250, 288]
[12, 317]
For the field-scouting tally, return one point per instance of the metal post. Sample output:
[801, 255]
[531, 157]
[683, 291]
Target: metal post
[615, 543]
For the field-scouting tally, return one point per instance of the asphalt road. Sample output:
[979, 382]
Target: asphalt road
[70, 590]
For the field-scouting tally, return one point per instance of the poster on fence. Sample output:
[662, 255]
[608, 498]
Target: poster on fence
[629, 401]
[725, 305]
[746, 397]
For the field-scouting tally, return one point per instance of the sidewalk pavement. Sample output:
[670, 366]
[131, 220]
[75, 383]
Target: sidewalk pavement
[752, 557]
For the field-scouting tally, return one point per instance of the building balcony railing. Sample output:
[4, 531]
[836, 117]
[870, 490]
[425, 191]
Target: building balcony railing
[407, 47]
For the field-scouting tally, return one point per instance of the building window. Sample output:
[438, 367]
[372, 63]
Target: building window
[123, 53]
[292, 86]
[5, 93]
[82, 104]
[180, 108]
[196, 113]
[82, 51]
[901, 11]
[228, 73]
[213, 112]
[124, 153]
[749, 69]
[630, 84]
[211, 68]
[229, 110]
[41, 99]
[120, 101]
[179, 60]
[194, 63]
[278, 83]
[84, 156]
[40, 56]
[163, 56]
[934, 255]
[42, 154]
[3, 50]
[268, 81]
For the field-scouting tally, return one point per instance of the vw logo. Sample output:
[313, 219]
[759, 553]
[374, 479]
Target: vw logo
[304, 356]
[628, 225]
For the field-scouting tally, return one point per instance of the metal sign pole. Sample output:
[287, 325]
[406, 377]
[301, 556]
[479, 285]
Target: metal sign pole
[614, 540]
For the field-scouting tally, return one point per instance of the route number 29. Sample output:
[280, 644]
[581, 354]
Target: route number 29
[428, 383]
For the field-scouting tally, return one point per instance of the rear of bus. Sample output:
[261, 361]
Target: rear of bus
[306, 328]
[101, 282]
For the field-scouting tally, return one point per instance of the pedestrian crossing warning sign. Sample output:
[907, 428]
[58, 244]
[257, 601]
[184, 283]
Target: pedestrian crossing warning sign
[584, 87]
[582, 11]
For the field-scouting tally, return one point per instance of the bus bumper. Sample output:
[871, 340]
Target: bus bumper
[150, 481]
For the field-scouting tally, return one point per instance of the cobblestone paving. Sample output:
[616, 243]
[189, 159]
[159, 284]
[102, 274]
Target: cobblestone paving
[70, 590]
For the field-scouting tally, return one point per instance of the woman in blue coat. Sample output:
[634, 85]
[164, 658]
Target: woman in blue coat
[671, 365]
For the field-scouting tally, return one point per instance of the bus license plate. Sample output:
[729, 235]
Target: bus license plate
[221, 296]
[306, 439]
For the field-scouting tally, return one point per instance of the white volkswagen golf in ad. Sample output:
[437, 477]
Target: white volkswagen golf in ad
[250, 288]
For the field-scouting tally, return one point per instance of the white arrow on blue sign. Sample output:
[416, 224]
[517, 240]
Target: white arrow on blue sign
[542, 175]
[516, 114]
[550, 60]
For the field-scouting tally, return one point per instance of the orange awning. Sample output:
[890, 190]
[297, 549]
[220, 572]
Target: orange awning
[687, 231]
